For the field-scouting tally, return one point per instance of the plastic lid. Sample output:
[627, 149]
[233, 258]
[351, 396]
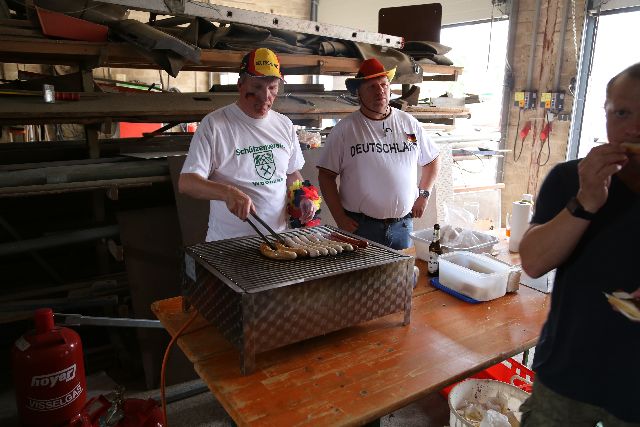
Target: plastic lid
[43, 319]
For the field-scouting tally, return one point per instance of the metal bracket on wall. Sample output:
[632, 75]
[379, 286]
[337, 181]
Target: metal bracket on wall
[226, 14]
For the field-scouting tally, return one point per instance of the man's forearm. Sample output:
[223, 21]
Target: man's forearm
[429, 174]
[546, 246]
[197, 187]
[330, 194]
[293, 177]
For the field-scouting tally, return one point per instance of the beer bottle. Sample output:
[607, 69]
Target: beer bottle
[434, 252]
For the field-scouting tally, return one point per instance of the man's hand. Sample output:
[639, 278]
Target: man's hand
[308, 210]
[238, 203]
[346, 223]
[418, 207]
[595, 173]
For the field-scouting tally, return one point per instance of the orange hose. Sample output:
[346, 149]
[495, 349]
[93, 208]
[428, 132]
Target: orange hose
[164, 364]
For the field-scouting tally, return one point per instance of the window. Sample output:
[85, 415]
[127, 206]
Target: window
[609, 58]
[481, 49]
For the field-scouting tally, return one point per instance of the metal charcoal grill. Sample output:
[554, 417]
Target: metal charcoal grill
[259, 304]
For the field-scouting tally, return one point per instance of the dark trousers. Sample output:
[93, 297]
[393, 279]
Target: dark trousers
[546, 408]
[392, 232]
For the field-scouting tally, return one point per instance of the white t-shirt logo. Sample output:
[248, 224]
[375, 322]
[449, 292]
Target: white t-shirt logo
[265, 164]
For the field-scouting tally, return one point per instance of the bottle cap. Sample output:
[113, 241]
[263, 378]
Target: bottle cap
[43, 319]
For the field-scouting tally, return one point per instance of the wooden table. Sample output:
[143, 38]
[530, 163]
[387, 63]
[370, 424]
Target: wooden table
[362, 373]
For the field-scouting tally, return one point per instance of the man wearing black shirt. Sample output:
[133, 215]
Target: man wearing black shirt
[587, 225]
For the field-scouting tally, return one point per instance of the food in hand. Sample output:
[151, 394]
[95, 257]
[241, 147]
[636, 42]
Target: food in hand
[626, 304]
[631, 147]
[280, 254]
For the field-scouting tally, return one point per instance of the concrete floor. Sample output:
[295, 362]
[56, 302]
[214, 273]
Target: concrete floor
[203, 410]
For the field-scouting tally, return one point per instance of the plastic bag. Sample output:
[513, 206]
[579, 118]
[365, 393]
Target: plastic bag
[457, 231]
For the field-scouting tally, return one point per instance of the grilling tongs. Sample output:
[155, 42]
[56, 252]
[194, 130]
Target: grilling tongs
[269, 229]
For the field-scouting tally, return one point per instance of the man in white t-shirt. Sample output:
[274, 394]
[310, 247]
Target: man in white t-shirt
[244, 156]
[375, 151]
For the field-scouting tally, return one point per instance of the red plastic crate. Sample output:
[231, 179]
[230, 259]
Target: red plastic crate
[509, 371]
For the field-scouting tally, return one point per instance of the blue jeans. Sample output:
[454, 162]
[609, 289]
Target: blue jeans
[392, 232]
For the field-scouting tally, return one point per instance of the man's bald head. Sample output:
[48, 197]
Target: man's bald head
[632, 72]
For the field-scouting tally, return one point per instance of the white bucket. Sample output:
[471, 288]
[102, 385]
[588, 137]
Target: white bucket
[475, 390]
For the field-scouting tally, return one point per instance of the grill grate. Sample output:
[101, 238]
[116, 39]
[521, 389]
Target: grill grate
[239, 261]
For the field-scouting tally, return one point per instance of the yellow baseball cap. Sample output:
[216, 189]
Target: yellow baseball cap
[261, 62]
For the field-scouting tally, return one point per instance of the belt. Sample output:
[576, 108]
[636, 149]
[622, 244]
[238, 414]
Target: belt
[372, 219]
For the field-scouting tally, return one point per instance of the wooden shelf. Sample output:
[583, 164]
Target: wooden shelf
[36, 50]
[173, 107]
[467, 189]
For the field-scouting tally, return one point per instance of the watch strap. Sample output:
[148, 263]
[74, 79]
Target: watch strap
[424, 193]
[576, 209]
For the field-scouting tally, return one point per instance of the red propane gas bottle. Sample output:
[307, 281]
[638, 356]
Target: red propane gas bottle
[48, 373]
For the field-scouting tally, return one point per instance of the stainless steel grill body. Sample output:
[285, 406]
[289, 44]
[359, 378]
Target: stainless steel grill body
[259, 304]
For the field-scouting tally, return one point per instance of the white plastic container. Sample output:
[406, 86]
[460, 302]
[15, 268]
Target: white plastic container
[476, 390]
[477, 276]
[422, 239]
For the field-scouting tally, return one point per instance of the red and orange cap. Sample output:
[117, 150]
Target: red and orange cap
[261, 62]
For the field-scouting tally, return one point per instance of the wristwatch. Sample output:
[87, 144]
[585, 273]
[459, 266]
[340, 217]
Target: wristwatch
[423, 193]
[576, 209]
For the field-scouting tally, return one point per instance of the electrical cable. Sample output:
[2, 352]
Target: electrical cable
[515, 141]
[493, 5]
[575, 32]
[193, 317]
[596, 24]
[84, 9]
[482, 166]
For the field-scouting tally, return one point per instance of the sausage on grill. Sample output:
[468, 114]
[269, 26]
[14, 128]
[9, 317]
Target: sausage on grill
[345, 246]
[301, 252]
[293, 244]
[280, 254]
[301, 240]
[356, 243]
[324, 250]
[324, 242]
